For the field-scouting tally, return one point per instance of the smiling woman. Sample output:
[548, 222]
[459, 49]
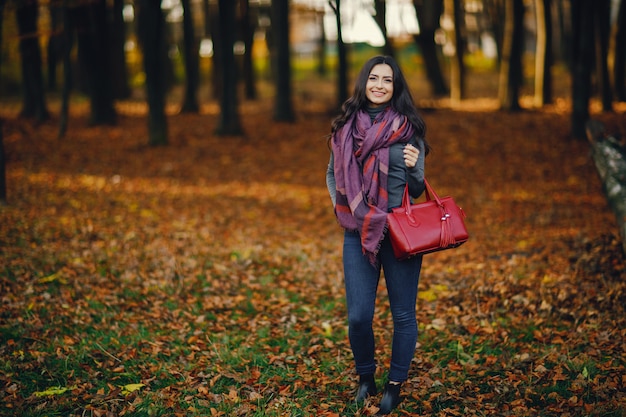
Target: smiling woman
[379, 88]
[378, 148]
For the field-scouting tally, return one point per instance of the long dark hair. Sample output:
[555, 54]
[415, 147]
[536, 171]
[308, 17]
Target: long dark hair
[401, 101]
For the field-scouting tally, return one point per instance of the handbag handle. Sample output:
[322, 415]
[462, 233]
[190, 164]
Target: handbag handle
[430, 195]
[446, 236]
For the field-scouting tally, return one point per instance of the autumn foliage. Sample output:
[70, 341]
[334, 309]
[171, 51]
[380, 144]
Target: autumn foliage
[204, 278]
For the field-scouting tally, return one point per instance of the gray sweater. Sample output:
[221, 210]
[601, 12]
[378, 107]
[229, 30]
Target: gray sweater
[398, 176]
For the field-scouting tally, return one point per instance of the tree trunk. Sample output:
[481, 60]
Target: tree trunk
[582, 61]
[68, 43]
[496, 15]
[283, 110]
[97, 63]
[602, 28]
[321, 52]
[619, 67]
[566, 36]
[457, 67]
[542, 53]
[55, 41]
[216, 37]
[511, 63]
[3, 165]
[609, 156]
[119, 73]
[248, 27]
[428, 14]
[206, 9]
[151, 30]
[342, 55]
[380, 6]
[190, 54]
[33, 104]
[229, 120]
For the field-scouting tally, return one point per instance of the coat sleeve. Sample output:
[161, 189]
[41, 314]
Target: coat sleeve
[330, 179]
[415, 175]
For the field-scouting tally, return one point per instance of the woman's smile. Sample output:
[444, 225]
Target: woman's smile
[379, 87]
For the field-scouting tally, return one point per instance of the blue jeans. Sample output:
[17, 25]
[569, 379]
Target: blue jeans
[361, 282]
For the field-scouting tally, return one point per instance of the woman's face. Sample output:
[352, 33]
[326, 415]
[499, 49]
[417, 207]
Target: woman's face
[379, 87]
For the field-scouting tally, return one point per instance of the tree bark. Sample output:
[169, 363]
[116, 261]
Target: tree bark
[619, 67]
[68, 43]
[151, 28]
[457, 67]
[229, 116]
[190, 55]
[494, 9]
[33, 97]
[55, 43]
[321, 52]
[248, 27]
[609, 156]
[342, 56]
[283, 109]
[428, 14]
[582, 61]
[119, 73]
[543, 54]
[602, 27]
[511, 63]
[213, 25]
[3, 166]
[97, 54]
[380, 6]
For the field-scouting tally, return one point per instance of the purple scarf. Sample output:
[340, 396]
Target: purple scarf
[361, 155]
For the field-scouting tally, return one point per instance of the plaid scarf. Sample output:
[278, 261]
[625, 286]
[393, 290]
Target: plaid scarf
[361, 155]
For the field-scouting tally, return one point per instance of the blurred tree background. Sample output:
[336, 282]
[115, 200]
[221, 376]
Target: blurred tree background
[208, 49]
[205, 52]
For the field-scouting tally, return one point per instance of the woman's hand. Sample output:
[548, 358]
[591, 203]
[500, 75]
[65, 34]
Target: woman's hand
[411, 153]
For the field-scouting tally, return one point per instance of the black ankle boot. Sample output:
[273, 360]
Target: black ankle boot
[391, 398]
[367, 388]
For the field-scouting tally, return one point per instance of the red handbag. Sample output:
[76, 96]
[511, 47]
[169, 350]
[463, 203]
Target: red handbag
[433, 225]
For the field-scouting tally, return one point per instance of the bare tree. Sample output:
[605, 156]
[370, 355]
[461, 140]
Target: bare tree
[457, 67]
[494, 9]
[380, 7]
[321, 53]
[229, 115]
[510, 79]
[248, 25]
[151, 28]
[428, 14]
[602, 27]
[3, 168]
[619, 67]
[119, 73]
[190, 54]
[342, 55]
[582, 62]
[33, 97]
[543, 53]
[283, 110]
[96, 60]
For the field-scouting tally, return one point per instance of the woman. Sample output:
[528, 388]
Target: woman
[378, 147]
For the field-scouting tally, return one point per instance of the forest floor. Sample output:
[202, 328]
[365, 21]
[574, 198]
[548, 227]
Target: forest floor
[204, 278]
